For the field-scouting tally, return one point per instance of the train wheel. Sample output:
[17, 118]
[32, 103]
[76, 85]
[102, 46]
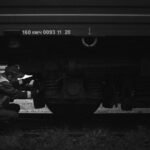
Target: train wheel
[126, 104]
[73, 109]
[108, 95]
[127, 96]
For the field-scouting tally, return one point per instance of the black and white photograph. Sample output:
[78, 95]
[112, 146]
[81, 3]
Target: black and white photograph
[75, 74]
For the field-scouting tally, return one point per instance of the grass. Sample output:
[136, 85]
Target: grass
[57, 139]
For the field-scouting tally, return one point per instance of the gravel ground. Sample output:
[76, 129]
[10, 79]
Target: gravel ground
[71, 139]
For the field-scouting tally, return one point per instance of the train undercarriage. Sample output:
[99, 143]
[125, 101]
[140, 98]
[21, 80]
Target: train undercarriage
[76, 78]
[82, 53]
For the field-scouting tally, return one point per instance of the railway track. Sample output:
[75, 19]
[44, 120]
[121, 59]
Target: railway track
[75, 124]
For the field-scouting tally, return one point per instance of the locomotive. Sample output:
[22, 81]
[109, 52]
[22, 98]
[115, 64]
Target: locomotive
[83, 53]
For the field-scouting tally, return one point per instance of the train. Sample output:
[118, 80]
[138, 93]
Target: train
[83, 53]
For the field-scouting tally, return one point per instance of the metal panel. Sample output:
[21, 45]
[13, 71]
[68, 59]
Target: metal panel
[84, 29]
[49, 3]
[75, 18]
